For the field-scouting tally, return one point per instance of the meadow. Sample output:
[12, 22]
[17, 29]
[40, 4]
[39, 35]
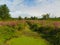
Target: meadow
[30, 32]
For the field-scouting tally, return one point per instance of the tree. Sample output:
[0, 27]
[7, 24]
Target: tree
[25, 18]
[46, 16]
[4, 12]
[19, 17]
[33, 18]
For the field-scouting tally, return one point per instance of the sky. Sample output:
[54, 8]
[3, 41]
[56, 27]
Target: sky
[28, 8]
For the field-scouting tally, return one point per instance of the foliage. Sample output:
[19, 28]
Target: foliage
[46, 16]
[48, 32]
[26, 18]
[34, 18]
[4, 12]
[20, 18]
[8, 32]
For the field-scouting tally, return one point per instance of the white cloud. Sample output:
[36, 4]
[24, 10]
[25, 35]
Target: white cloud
[43, 6]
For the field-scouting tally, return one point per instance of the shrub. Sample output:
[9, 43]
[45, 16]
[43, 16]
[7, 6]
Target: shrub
[45, 29]
[20, 26]
[6, 33]
[50, 33]
[35, 27]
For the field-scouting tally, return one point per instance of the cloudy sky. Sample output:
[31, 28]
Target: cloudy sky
[32, 7]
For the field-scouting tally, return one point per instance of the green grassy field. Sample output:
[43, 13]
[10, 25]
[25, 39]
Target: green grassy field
[27, 41]
[29, 32]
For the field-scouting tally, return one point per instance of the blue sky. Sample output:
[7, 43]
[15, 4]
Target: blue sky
[32, 7]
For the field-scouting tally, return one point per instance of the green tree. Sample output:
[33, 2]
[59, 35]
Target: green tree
[33, 18]
[26, 18]
[4, 12]
[20, 18]
[46, 16]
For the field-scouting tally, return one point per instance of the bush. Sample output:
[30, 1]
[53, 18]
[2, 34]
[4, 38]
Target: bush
[45, 29]
[49, 33]
[20, 27]
[35, 27]
[6, 33]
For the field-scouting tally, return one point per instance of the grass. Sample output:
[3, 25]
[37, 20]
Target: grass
[11, 32]
[27, 41]
[1, 41]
